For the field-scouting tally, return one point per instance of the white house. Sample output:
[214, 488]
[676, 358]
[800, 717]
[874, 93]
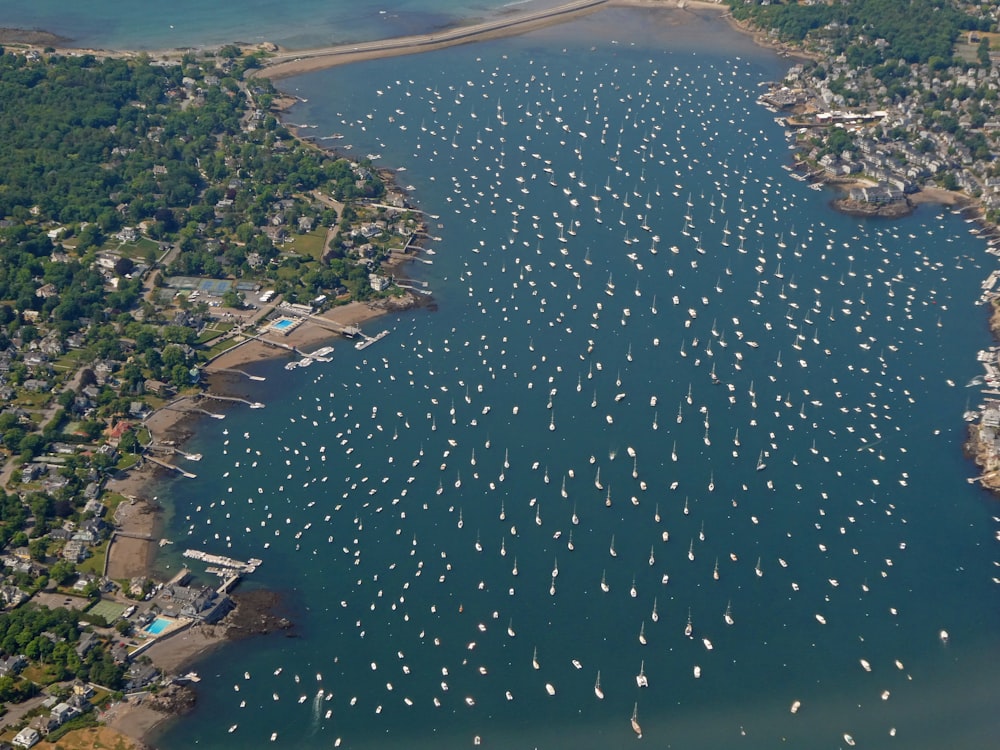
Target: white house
[27, 737]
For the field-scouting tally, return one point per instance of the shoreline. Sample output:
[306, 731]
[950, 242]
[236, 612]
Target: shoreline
[177, 420]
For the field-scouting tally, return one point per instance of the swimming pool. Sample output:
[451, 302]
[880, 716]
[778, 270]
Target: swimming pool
[282, 325]
[158, 625]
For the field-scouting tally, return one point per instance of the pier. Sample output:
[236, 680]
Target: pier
[172, 467]
[241, 372]
[236, 399]
[221, 561]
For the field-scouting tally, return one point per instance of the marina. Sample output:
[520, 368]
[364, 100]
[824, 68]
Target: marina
[482, 514]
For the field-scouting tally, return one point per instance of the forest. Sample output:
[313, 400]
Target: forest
[917, 31]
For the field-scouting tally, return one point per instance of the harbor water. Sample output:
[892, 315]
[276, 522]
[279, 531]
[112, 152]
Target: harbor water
[659, 365]
[124, 24]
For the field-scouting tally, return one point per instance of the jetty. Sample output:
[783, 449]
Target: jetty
[294, 62]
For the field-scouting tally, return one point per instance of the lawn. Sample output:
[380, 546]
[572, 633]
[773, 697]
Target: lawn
[95, 738]
[213, 330]
[311, 244]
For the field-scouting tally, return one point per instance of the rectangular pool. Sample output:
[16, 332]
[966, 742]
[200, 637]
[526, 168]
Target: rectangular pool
[158, 625]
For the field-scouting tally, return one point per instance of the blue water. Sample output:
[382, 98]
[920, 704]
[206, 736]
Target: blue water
[281, 325]
[158, 625]
[392, 492]
[125, 24]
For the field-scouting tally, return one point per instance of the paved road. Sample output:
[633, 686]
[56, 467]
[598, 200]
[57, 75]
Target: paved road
[281, 63]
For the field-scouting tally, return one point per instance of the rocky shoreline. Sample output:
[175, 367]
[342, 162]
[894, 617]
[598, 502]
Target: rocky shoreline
[34, 37]
[893, 210]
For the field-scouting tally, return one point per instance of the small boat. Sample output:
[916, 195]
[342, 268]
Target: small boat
[642, 634]
[640, 679]
[549, 689]
[635, 723]
[597, 687]
[534, 658]
[604, 584]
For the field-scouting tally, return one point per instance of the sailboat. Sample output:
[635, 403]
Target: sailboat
[640, 679]
[597, 686]
[728, 616]
[534, 658]
[635, 722]
[655, 616]
[688, 629]
[604, 583]
[642, 634]
[760, 462]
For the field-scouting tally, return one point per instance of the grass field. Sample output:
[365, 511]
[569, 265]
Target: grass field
[311, 244]
[110, 611]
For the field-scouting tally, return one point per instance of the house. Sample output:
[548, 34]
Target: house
[27, 737]
[63, 712]
[81, 688]
[12, 596]
[12, 665]
[87, 641]
[158, 387]
[44, 724]
[139, 410]
[75, 551]
[140, 675]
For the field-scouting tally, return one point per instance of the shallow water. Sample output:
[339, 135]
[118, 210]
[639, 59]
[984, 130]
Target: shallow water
[368, 485]
[122, 24]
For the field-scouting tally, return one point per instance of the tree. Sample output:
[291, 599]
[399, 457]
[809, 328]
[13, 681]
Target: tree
[233, 299]
[129, 443]
[38, 547]
[62, 571]
[124, 266]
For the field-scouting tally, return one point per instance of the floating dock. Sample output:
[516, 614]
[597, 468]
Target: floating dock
[224, 562]
[369, 340]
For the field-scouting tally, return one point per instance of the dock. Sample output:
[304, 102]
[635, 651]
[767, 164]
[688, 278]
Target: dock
[367, 341]
[172, 467]
[237, 399]
[221, 561]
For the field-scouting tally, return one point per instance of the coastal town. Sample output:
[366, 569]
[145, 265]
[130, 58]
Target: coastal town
[223, 235]
[135, 312]
[897, 123]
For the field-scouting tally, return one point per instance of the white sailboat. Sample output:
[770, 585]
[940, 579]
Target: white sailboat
[640, 679]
